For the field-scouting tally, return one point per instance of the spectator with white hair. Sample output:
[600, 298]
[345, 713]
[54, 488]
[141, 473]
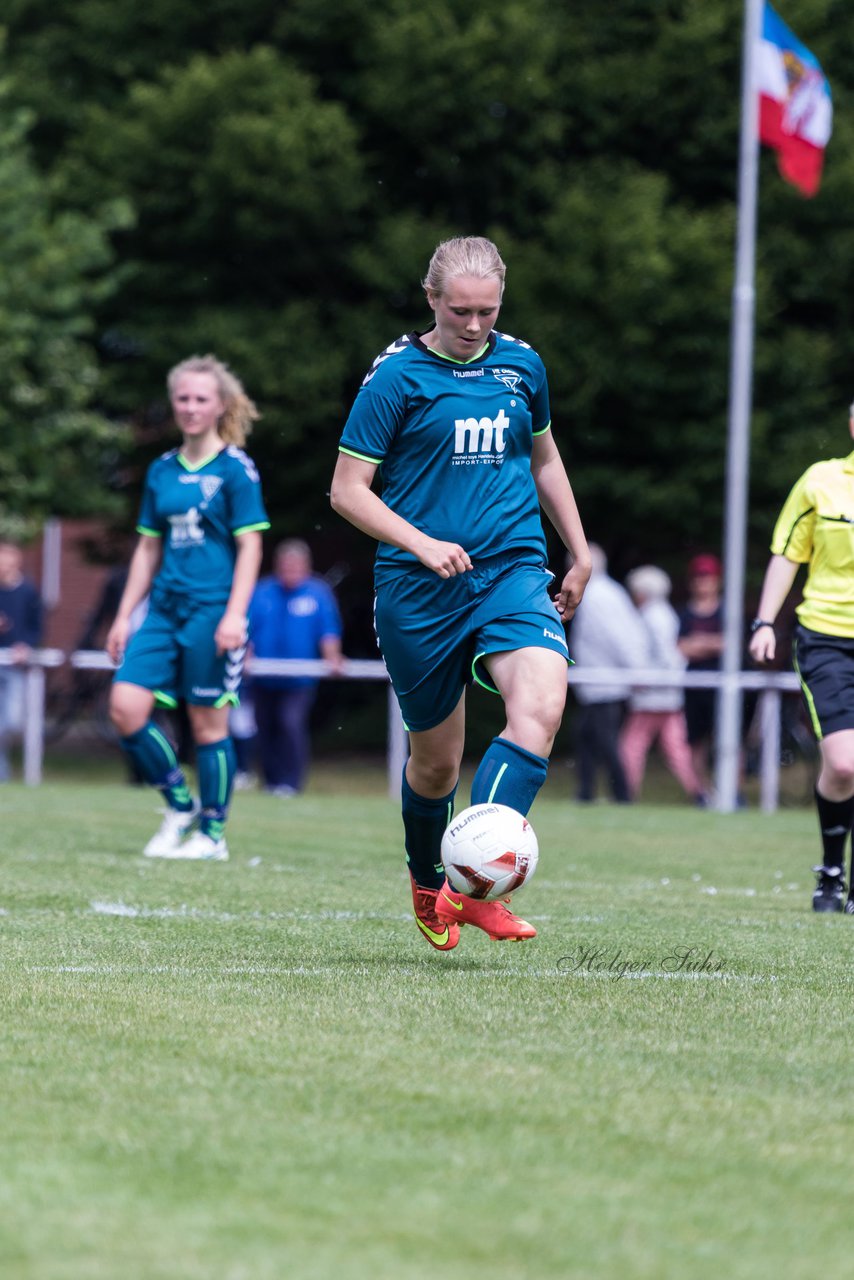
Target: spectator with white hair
[607, 632]
[656, 713]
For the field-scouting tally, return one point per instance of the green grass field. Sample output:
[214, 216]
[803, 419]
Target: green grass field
[259, 1070]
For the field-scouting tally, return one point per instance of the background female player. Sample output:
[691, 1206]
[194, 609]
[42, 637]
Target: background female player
[198, 554]
[816, 528]
[458, 417]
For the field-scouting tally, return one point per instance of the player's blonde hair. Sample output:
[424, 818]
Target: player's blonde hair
[240, 412]
[463, 256]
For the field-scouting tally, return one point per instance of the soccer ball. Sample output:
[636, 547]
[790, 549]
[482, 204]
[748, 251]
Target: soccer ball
[488, 851]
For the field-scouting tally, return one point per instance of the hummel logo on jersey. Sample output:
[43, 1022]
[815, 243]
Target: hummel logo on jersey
[509, 377]
[400, 344]
[480, 439]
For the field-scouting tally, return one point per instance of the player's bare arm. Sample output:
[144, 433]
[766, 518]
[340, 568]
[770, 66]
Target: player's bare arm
[144, 564]
[231, 629]
[558, 501]
[353, 498]
[779, 577]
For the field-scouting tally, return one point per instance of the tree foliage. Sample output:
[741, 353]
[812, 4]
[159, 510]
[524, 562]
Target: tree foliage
[290, 168]
[55, 271]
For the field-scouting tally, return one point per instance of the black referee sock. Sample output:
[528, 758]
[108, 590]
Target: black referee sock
[834, 818]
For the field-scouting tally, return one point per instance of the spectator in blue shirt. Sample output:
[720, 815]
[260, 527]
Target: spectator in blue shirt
[20, 633]
[293, 614]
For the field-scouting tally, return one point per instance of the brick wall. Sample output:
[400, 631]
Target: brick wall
[80, 582]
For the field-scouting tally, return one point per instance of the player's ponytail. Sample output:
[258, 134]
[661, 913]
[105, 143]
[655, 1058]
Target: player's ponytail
[240, 412]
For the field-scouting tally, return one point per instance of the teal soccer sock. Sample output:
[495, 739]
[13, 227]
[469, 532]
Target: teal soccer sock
[509, 775]
[217, 765]
[155, 760]
[424, 823]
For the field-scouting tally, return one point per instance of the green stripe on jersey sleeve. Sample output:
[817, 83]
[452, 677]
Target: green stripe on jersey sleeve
[251, 528]
[362, 457]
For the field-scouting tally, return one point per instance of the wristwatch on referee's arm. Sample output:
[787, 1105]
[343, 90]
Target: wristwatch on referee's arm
[758, 623]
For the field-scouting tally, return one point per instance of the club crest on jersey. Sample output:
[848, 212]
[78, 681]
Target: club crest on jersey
[509, 377]
[210, 486]
[480, 440]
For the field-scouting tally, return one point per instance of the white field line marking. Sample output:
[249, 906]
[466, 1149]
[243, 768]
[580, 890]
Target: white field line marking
[103, 970]
[185, 912]
[300, 970]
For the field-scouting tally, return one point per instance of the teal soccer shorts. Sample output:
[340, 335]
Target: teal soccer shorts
[173, 654]
[435, 632]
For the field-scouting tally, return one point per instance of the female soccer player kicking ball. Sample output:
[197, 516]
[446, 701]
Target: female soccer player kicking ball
[458, 419]
[198, 556]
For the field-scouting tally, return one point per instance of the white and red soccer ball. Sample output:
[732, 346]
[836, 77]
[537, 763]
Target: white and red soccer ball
[488, 851]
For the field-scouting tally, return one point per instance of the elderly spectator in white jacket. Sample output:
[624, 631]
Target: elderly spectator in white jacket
[656, 713]
[606, 632]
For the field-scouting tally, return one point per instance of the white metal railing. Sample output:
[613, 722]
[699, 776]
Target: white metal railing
[770, 685]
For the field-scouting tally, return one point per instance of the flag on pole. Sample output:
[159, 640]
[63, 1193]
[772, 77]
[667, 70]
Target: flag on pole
[795, 108]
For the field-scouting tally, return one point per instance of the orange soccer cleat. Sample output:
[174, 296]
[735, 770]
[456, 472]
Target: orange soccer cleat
[496, 920]
[443, 935]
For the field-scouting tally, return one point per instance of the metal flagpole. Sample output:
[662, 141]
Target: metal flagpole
[728, 732]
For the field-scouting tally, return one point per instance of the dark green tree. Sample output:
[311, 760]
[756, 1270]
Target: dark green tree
[292, 166]
[56, 270]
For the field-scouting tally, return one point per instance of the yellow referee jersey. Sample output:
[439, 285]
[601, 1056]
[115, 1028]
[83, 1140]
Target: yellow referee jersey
[816, 528]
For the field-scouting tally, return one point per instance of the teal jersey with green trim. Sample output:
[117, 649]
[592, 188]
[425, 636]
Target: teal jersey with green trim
[198, 512]
[453, 442]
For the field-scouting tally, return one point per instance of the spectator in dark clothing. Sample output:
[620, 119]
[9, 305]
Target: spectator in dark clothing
[701, 641]
[20, 633]
[293, 614]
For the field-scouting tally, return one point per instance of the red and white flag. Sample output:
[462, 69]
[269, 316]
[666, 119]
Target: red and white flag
[795, 108]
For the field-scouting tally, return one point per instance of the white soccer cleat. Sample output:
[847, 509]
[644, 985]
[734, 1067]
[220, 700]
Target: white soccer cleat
[173, 828]
[201, 847]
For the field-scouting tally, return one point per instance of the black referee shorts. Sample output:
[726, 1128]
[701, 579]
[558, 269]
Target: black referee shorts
[825, 667]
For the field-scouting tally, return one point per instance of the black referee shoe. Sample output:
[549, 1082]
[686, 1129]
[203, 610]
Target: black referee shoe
[830, 891]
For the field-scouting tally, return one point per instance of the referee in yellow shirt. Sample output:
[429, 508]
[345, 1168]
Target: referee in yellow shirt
[816, 528]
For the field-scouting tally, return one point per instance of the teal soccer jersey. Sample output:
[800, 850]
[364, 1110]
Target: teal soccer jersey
[453, 442]
[198, 511]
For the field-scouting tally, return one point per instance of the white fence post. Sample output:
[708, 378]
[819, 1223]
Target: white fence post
[34, 686]
[770, 701]
[398, 745]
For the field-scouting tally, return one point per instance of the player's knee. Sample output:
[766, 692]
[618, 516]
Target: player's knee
[548, 712]
[127, 713]
[841, 770]
[433, 777]
[120, 717]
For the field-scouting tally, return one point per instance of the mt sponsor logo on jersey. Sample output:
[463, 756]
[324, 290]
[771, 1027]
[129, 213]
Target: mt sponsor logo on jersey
[480, 441]
[186, 530]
